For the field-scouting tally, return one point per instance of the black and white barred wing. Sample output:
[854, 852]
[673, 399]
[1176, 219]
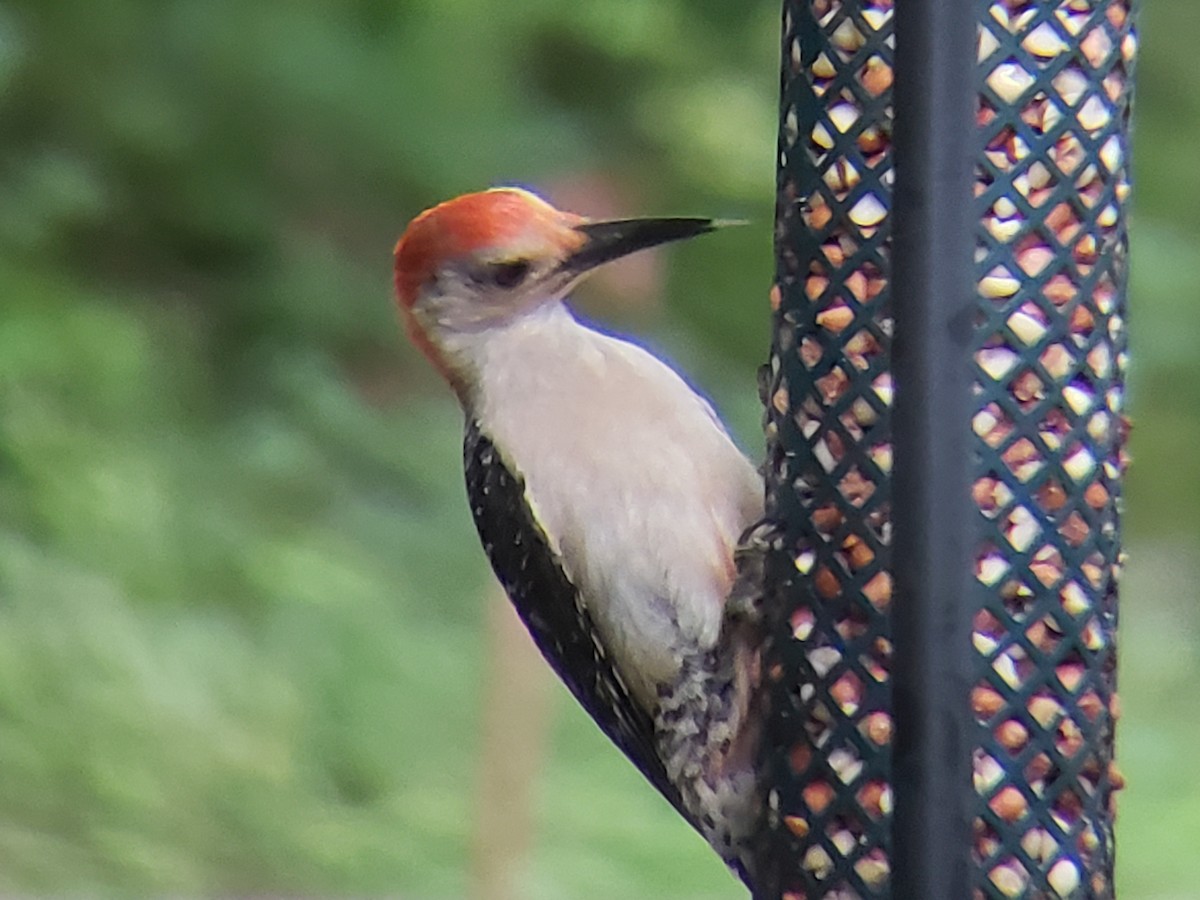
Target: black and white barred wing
[551, 607]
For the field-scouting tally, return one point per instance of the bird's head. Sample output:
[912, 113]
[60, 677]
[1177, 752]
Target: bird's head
[482, 261]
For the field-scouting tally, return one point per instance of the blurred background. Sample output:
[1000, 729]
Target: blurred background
[243, 615]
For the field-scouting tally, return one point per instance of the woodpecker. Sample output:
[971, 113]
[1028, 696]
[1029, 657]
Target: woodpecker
[607, 494]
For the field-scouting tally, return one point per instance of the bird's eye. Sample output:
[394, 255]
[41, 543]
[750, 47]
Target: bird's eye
[507, 274]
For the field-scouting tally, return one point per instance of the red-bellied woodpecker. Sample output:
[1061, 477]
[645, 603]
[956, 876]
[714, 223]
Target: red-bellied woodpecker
[607, 494]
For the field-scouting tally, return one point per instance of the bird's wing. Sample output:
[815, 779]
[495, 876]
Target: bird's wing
[552, 609]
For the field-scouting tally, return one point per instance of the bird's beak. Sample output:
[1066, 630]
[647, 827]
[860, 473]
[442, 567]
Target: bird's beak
[609, 240]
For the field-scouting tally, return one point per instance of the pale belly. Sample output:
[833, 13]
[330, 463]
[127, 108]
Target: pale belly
[640, 492]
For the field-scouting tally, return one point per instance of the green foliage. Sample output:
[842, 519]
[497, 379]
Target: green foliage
[239, 590]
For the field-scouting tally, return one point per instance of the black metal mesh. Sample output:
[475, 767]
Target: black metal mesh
[1050, 188]
[1052, 259]
[829, 402]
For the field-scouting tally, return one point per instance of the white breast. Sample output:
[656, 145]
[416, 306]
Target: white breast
[632, 477]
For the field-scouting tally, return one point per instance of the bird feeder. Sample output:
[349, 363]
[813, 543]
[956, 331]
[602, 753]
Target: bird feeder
[945, 448]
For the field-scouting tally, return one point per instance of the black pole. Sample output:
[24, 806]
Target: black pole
[934, 221]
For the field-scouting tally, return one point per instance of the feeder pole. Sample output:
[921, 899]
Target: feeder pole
[933, 296]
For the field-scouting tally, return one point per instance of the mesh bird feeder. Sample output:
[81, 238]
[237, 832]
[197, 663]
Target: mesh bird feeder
[945, 464]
